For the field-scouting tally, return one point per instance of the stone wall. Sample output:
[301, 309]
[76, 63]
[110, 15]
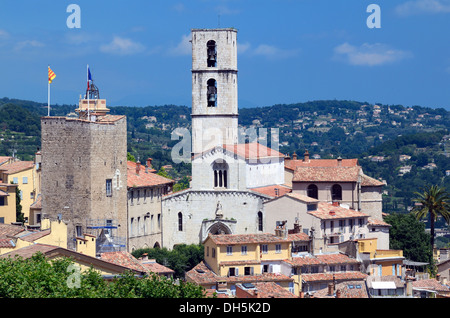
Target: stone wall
[78, 157]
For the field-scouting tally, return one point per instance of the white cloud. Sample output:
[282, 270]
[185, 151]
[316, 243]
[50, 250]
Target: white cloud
[122, 46]
[3, 35]
[369, 54]
[28, 44]
[184, 47]
[423, 6]
[267, 51]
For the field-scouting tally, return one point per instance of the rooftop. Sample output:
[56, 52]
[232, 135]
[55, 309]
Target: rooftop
[16, 167]
[329, 211]
[144, 178]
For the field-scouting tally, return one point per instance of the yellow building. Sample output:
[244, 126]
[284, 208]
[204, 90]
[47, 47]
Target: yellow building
[382, 262]
[7, 203]
[247, 254]
[23, 174]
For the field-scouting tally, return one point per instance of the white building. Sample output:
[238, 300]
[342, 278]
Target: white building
[225, 173]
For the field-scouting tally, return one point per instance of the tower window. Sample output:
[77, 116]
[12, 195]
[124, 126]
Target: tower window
[220, 174]
[211, 53]
[260, 221]
[212, 92]
[180, 221]
[336, 192]
[313, 191]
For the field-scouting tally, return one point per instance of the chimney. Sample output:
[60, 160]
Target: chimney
[330, 289]
[335, 203]
[332, 213]
[149, 163]
[339, 161]
[277, 192]
[338, 293]
[306, 156]
[294, 156]
[138, 167]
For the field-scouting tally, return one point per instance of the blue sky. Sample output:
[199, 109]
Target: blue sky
[288, 50]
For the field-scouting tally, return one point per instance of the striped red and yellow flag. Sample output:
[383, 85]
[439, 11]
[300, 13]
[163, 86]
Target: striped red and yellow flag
[51, 75]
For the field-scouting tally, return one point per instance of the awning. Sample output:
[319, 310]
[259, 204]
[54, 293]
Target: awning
[383, 285]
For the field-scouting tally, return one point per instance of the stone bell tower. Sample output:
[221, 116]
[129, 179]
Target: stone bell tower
[214, 88]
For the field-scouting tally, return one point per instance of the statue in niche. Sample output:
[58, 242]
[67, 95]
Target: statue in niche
[219, 212]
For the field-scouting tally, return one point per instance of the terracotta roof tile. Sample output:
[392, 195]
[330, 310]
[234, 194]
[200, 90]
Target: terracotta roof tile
[144, 179]
[8, 230]
[15, 167]
[326, 174]
[292, 164]
[272, 190]
[347, 289]
[337, 276]
[431, 284]
[329, 211]
[269, 290]
[224, 239]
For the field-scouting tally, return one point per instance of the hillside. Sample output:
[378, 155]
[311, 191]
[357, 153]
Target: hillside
[375, 134]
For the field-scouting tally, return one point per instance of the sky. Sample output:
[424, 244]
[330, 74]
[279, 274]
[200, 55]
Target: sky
[289, 51]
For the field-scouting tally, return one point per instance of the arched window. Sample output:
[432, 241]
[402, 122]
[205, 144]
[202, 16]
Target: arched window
[336, 192]
[313, 191]
[211, 52]
[180, 221]
[212, 93]
[260, 221]
[220, 174]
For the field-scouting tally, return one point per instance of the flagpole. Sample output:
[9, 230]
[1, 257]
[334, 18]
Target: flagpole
[48, 95]
[87, 93]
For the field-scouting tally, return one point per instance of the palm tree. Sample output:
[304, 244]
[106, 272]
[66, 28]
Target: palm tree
[434, 201]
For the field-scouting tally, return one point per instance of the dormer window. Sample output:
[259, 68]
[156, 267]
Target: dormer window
[212, 92]
[211, 53]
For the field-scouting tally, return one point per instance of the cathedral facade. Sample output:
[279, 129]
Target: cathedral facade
[226, 174]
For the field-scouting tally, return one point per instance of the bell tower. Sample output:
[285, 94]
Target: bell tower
[214, 88]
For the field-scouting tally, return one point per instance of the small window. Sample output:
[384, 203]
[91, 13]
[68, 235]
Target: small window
[278, 248]
[244, 249]
[229, 250]
[264, 248]
[180, 221]
[109, 187]
[25, 180]
[15, 180]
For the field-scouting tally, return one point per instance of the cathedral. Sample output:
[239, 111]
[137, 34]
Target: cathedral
[237, 181]
[226, 174]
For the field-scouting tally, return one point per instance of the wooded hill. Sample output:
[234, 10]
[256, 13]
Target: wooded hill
[376, 134]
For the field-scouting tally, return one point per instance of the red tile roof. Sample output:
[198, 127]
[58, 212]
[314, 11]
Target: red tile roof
[347, 289]
[8, 230]
[15, 167]
[144, 179]
[271, 190]
[431, 284]
[224, 239]
[329, 211]
[302, 198]
[337, 276]
[292, 164]
[125, 259]
[269, 290]
[326, 174]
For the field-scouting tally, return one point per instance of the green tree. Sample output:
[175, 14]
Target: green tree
[433, 202]
[408, 234]
[19, 214]
[39, 277]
